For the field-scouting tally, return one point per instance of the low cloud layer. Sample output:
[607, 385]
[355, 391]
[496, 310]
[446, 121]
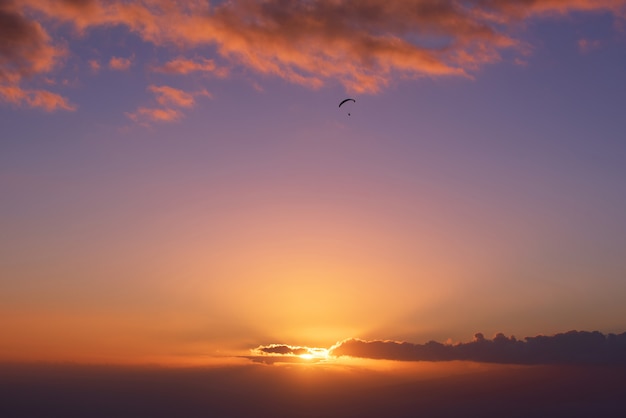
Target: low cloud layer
[282, 349]
[290, 350]
[363, 45]
[253, 390]
[573, 347]
[284, 353]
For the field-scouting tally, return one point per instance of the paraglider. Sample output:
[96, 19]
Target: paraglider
[346, 100]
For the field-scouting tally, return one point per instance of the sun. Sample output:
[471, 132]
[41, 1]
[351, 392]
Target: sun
[292, 353]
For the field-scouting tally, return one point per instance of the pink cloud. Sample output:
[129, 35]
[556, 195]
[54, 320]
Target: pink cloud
[94, 65]
[525, 8]
[120, 63]
[144, 114]
[587, 45]
[168, 98]
[521, 62]
[166, 95]
[182, 65]
[572, 347]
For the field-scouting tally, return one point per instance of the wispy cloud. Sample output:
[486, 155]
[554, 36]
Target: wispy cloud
[169, 98]
[273, 353]
[573, 347]
[146, 114]
[120, 63]
[94, 65]
[43, 99]
[288, 350]
[588, 45]
[184, 66]
[166, 95]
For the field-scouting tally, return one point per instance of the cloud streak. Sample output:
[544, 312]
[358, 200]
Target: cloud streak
[170, 99]
[44, 99]
[282, 349]
[143, 115]
[120, 63]
[274, 353]
[573, 347]
[166, 95]
[183, 66]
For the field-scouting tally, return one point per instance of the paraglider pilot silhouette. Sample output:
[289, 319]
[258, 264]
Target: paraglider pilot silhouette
[346, 100]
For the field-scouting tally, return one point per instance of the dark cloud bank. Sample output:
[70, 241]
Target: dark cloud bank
[292, 390]
[573, 347]
[574, 374]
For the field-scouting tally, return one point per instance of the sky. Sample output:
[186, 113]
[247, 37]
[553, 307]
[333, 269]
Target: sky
[179, 184]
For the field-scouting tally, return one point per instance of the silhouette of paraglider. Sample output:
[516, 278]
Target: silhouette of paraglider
[346, 100]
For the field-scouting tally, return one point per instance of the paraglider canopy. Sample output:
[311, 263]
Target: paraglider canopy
[346, 100]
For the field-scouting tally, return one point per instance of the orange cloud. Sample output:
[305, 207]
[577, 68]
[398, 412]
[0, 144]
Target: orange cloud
[94, 65]
[34, 98]
[168, 97]
[525, 8]
[359, 44]
[120, 64]
[364, 45]
[185, 66]
[144, 114]
[26, 50]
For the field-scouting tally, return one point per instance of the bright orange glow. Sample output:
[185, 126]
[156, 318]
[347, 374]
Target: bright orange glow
[217, 208]
[316, 353]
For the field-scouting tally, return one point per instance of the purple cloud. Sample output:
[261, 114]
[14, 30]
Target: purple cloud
[573, 347]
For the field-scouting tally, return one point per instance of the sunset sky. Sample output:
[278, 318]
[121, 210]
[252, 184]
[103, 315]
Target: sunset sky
[178, 183]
